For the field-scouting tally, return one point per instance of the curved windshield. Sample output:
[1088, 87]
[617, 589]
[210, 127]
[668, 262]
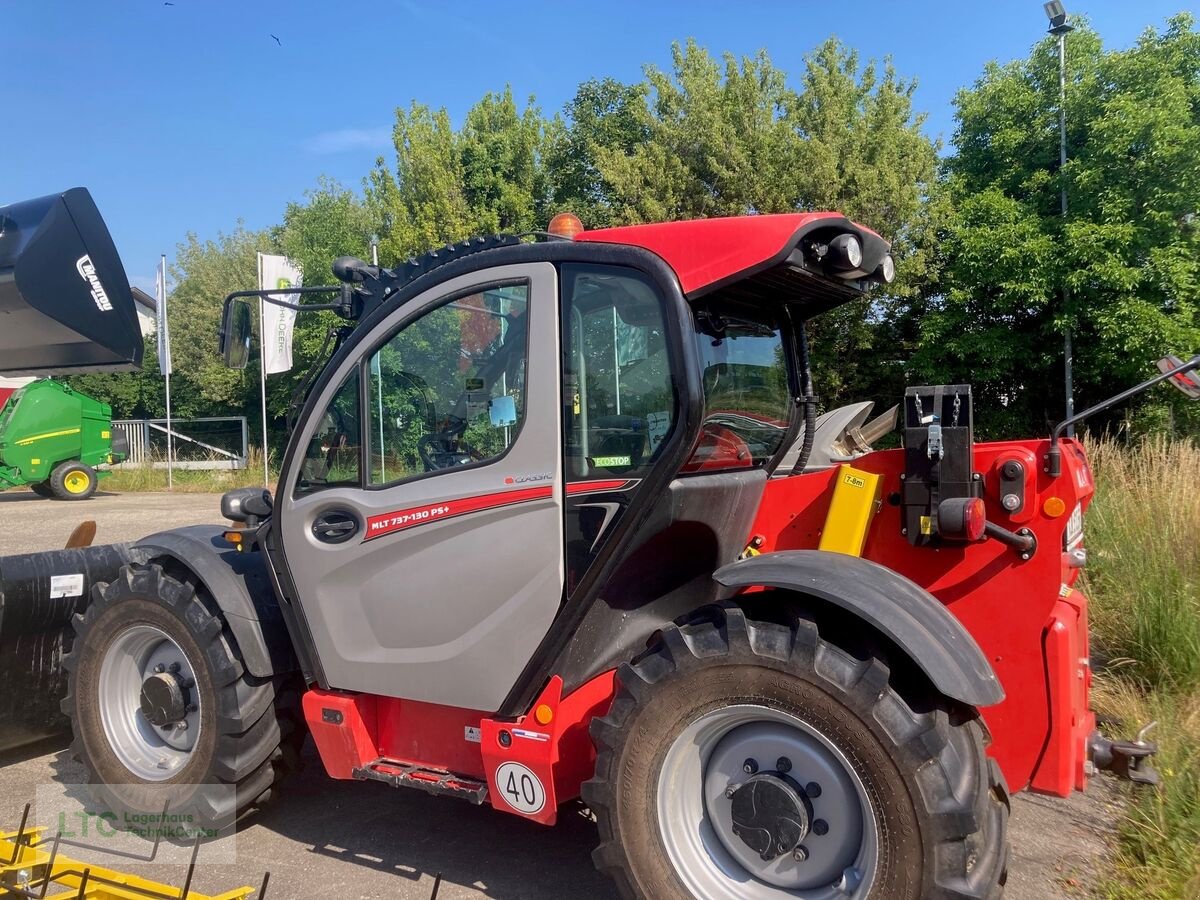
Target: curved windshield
[747, 394]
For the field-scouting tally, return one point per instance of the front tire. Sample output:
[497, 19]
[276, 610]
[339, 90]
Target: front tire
[162, 706]
[72, 481]
[42, 489]
[873, 788]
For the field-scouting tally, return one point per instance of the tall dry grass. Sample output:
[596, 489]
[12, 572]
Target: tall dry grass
[1143, 575]
[130, 479]
[1143, 534]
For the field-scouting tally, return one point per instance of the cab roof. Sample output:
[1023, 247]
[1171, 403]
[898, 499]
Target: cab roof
[708, 254]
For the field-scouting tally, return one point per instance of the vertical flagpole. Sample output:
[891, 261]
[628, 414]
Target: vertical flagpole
[166, 340]
[262, 371]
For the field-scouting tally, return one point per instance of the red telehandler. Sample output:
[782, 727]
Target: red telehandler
[558, 519]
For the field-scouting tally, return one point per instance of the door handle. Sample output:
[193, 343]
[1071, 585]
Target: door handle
[335, 526]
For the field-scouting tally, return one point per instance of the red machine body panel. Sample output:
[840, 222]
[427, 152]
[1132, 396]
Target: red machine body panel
[1036, 642]
[706, 252]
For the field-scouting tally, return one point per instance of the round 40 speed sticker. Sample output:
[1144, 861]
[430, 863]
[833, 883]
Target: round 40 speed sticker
[520, 788]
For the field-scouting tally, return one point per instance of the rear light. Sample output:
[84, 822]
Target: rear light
[962, 518]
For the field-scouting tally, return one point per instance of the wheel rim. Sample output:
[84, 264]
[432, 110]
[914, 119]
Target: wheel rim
[76, 482]
[142, 666]
[839, 842]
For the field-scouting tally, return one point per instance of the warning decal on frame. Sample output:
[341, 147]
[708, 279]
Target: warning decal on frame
[520, 788]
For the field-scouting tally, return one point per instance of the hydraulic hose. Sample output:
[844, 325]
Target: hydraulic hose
[807, 398]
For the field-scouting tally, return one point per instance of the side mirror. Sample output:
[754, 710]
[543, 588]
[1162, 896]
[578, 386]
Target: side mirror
[248, 505]
[237, 326]
[1187, 380]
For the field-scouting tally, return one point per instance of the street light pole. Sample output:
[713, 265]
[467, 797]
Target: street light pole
[1059, 27]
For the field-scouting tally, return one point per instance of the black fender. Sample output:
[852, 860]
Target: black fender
[240, 586]
[907, 614]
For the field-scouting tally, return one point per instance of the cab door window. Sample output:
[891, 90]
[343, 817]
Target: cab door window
[448, 389]
[618, 398]
[333, 455]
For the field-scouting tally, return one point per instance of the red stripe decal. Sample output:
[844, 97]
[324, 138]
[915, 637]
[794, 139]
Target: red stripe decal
[403, 519]
[592, 487]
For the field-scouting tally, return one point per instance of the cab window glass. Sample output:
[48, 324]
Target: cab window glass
[747, 398]
[448, 389]
[618, 398]
[333, 455]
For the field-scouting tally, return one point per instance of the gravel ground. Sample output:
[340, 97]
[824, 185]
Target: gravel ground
[345, 839]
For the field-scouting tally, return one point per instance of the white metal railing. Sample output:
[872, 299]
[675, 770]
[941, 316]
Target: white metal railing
[148, 439]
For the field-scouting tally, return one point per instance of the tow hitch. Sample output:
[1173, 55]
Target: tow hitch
[1125, 759]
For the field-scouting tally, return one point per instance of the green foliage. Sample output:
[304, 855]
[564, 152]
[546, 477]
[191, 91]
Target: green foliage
[204, 272]
[484, 178]
[1128, 253]
[1142, 577]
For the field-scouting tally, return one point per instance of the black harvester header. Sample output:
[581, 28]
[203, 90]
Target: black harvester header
[65, 302]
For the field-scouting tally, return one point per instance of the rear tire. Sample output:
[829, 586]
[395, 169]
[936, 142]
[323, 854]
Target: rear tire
[72, 481]
[239, 731]
[42, 489]
[931, 809]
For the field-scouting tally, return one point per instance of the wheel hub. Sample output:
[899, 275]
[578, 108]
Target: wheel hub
[770, 815]
[164, 699]
[149, 703]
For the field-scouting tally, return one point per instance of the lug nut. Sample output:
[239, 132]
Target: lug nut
[820, 827]
[174, 668]
[729, 792]
[800, 854]
[181, 725]
[159, 669]
[750, 766]
[192, 707]
[783, 765]
[813, 790]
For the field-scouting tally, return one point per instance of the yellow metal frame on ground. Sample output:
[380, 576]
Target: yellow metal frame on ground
[28, 870]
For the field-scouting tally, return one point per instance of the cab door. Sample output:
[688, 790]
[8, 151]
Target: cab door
[423, 527]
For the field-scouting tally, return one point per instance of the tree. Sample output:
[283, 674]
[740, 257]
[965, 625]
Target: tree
[204, 272]
[449, 185]
[1128, 254]
[732, 137]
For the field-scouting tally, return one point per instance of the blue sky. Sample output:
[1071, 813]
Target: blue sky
[190, 117]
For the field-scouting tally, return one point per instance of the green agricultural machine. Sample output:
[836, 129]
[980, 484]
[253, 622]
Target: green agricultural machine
[52, 438]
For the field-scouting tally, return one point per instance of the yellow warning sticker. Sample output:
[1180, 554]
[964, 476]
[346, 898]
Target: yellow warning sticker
[105, 434]
[926, 524]
[853, 480]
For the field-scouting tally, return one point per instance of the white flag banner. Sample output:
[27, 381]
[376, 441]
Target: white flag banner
[160, 317]
[278, 272]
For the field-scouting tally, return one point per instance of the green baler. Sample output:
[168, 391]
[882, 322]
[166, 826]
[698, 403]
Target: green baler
[52, 438]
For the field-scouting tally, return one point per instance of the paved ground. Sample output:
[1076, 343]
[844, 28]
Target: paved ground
[29, 522]
[327, 838]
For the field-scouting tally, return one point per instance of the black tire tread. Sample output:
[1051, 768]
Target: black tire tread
[260, 725]
[941, 742]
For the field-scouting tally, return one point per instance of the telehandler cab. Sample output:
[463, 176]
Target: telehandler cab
[558, 519]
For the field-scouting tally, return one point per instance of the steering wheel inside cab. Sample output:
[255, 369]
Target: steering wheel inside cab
[445, 448]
